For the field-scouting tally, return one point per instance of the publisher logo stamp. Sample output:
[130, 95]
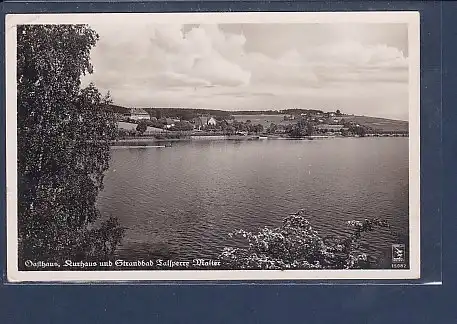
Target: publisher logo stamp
[398, 253]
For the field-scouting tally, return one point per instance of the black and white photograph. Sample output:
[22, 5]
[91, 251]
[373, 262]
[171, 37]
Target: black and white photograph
[213, 146]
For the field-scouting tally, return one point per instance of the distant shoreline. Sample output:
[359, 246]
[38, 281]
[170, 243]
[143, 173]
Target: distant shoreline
[145, 141]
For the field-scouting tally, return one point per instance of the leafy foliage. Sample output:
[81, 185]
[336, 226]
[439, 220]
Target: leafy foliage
[302, 128]
[182, 126]
[64, 134]
[141, 127]
[185, 113]
[358, 130]
[296, 245]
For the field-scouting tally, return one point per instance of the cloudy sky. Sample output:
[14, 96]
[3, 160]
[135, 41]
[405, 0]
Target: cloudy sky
[357, 68]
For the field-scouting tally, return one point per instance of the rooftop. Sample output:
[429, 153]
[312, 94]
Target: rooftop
[138, 111]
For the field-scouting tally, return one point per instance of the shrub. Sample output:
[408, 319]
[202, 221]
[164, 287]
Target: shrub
[141, 127]
[296, 245]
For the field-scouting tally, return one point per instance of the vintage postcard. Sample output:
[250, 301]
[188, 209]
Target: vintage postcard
[212, 146]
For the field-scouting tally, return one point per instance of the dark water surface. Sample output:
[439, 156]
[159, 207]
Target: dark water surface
[182, 201]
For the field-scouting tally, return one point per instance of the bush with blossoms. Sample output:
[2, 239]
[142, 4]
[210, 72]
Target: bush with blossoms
[296, 245]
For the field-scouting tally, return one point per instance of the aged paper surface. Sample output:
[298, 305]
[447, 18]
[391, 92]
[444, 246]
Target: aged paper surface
[249, 81]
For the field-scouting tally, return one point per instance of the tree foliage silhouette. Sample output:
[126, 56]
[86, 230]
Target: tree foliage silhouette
[64, 134]
[141, 127]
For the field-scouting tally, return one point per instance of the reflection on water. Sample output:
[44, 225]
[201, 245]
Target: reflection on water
[182, 201]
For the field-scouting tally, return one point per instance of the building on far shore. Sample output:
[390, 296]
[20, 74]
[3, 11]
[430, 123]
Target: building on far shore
[137, 114]
[203, 121]
[169, 123]
[198, 122]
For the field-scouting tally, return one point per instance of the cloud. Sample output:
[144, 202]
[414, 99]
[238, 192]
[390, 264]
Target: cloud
[205, 55]
[287, 70]
[166, 55]
[354, 53]
[205, 66]
[173, 79]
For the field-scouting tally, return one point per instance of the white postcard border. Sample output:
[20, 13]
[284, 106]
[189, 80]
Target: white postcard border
[408, 17]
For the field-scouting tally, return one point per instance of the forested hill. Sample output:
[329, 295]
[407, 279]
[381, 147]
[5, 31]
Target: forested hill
[276, 112]
[118, 109]
[186, 113]
[189, 113]
[183, 113]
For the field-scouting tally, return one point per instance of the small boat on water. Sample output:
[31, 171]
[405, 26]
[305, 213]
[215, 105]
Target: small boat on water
[116, 147]
[149, 146]
[263, 137]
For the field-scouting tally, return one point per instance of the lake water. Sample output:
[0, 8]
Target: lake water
[182, 201]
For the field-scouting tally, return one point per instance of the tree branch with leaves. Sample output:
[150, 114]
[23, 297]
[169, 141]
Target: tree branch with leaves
[64, 134]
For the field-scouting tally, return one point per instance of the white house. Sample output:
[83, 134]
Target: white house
[212, 121]
[137, 114]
